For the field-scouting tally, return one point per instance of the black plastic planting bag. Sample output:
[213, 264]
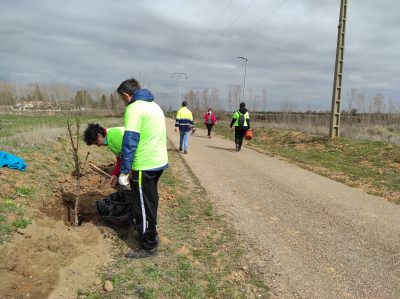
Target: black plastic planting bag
[116, 208]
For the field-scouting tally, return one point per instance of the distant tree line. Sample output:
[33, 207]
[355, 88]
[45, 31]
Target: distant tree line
[210, 98]
[354, 103]
[59, 96]
[67, 98]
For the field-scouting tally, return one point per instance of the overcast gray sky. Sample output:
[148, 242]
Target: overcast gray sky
[290, 45]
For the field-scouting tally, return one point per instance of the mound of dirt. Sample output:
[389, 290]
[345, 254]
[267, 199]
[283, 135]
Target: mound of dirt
[52, 258]
[49, 254]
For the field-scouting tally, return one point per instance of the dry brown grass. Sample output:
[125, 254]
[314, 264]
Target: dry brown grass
[35, 137]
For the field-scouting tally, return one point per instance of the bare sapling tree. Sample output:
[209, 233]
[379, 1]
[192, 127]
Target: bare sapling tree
[206, 99]
[193, 99]
[214, 100]
[392, 106]
[360, 101]
[252, 100]
[234, 93]
[264, 99]
[378, 102]
[76, 164]
[351, 99]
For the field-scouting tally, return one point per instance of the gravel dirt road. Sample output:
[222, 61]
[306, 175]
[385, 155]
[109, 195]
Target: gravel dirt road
[309, 236]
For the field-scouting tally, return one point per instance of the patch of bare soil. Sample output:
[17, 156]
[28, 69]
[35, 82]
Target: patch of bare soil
[52, 258]
[49, 258]
[93, 187]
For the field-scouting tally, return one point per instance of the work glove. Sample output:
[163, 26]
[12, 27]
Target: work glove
[123, 179]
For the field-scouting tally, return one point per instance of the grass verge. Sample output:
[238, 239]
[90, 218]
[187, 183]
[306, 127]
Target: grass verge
[370, 165]
[200, 255]
[46, 156]
[12, 216]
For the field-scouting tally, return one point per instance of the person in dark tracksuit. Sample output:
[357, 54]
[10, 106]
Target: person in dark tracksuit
[144, 150]
[241, 122]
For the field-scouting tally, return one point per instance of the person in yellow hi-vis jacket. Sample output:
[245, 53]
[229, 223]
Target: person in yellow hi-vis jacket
[184, 120]
[144, 150]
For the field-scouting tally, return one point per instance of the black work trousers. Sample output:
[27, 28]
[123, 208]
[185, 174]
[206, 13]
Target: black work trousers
[239, 134]
[145, 205]
[209, 128]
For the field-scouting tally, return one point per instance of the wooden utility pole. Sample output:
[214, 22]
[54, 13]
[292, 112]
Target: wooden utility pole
[337, 82]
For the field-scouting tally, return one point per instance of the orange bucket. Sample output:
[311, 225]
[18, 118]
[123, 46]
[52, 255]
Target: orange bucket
[248, 135]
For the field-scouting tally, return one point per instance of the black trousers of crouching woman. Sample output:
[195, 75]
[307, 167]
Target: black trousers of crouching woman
[209, 128]
[239, 134]
[145, 206]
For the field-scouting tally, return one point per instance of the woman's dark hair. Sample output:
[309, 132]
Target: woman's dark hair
[92, 132]
[242, 105]
[128, 86]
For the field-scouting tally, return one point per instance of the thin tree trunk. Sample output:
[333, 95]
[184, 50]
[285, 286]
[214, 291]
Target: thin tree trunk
[75, 149]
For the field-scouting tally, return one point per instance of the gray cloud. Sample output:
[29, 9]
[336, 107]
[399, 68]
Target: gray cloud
[291, 50]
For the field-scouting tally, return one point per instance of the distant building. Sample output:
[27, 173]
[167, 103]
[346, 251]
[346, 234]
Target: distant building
[28, 106]
[18, 107]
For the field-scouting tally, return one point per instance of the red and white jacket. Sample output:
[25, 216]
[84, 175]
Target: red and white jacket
[213, 119]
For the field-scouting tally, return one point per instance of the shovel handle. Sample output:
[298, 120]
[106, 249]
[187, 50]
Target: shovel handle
[100, 170]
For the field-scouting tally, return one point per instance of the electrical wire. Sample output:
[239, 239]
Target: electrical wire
[195, 49]
[242, 36]
[233, 22]
[261, 21]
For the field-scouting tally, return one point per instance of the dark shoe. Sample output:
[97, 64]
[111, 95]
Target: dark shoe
[180, 149]
[185, 152]
[140, 254]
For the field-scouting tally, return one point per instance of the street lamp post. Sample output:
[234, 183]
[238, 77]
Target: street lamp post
[245, 71]
[178, 76]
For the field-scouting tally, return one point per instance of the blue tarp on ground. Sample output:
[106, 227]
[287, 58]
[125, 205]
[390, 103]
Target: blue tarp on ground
[12, 161]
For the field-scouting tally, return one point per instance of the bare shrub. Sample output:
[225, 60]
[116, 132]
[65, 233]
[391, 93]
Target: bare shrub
[234, 94]
[374, 127]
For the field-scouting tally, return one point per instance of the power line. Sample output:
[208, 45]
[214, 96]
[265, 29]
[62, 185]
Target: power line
[178, 77]
[217, 20]
[263, 19]
[258, 23]
[234, 21]
[209, 30]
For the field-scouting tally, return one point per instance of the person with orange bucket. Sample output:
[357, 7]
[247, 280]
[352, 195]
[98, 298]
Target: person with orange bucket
[241, 122]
